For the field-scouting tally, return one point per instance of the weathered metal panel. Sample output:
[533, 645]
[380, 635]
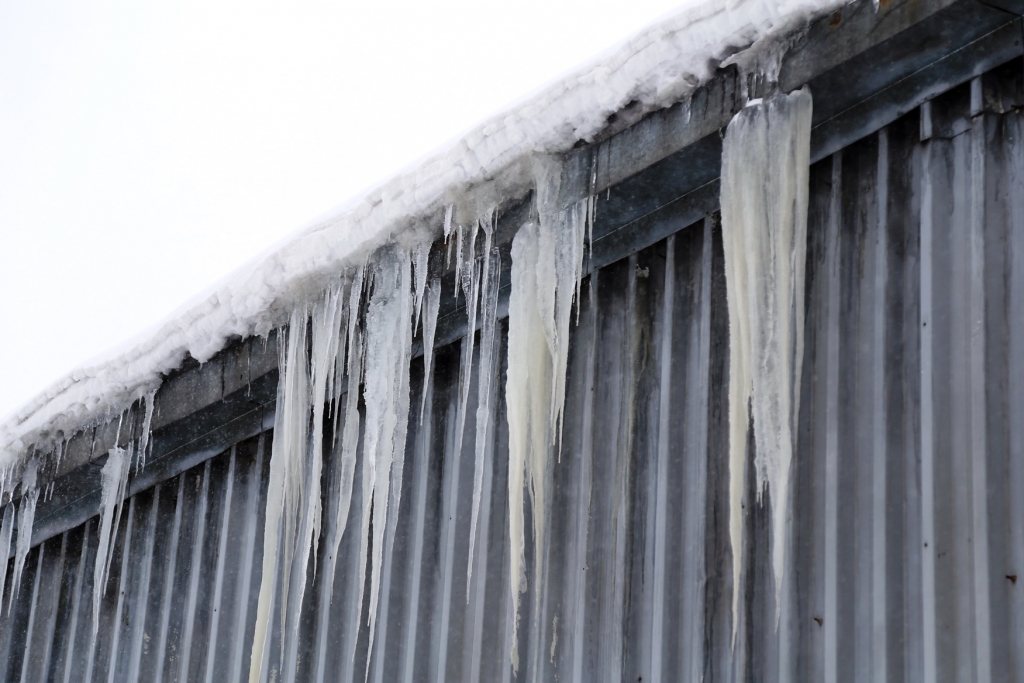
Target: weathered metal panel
[907, 542]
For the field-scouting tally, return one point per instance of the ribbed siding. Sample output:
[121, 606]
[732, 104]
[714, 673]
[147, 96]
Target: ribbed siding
[907, 538]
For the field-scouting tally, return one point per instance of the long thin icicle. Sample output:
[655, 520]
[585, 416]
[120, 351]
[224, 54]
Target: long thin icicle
[125, 467]
[765, 177]
[326, 319]
[26, 520]
[386, 397]
[489, 313]
[349, 443]
[286, 484]
[343, 366]
[458, 259]
[422, 258]
[6, 531]
[433, 298]
[147, 428]
[350, 440]
[327, 315]
[471, 287]
[112, 478]
[558, 273]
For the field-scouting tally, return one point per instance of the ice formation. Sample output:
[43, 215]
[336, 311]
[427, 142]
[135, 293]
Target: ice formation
[765, 180]
[433, 297]
[470, 282]
[654, 69]
[147, 426]
[547, 258]
[26, 518]
[6, 532]
[329, 344]
[348, 444]
[490, 280]
[422, 261]
[114, 477]
[348, 339]
[386, 395]
[287, 486]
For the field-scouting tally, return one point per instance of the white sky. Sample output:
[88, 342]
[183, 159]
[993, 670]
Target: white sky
[149, 149]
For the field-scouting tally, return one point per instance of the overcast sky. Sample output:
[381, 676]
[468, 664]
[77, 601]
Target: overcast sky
[149, 149]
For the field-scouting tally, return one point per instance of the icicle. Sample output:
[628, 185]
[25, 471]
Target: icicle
[325, 323]
[458, 260]
[528, 384]
[386, 397]
[447, 233]
[490, 281]
[336, 370]
[326, 320]
[471, 287]
[349, 446]
[765, 177]
[558, 272]
[124, 468]
[547, 265]
[6, 531]
[147, 423]
[591, 211]
[287, 484]
[26, 519]
[422, 257]
[354, 299]
[429, 329]
[112, 477]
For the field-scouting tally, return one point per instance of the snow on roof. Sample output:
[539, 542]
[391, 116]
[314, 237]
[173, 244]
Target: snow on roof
[656, 68]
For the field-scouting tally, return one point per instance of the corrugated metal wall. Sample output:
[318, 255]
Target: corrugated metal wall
[908, 485]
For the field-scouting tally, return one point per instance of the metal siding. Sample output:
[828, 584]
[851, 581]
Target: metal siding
[907, 538]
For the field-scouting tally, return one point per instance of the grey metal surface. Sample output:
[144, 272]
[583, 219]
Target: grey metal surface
[907, 538]
[906, 557]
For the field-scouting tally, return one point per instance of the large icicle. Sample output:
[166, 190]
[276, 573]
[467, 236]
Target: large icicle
[26, 520]
[546, 267]
[287, 482]
[528, 382]
[113, 479]
[558, 273]
[386, 397]
[489, 283]
[765, 177]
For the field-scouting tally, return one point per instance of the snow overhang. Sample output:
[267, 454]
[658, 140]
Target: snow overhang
[641, 128]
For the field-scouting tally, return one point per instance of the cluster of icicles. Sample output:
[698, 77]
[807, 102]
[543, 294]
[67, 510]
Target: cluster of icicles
[114, 484]
[359, 333]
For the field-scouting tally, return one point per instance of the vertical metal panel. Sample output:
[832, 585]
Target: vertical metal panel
[906, 554]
